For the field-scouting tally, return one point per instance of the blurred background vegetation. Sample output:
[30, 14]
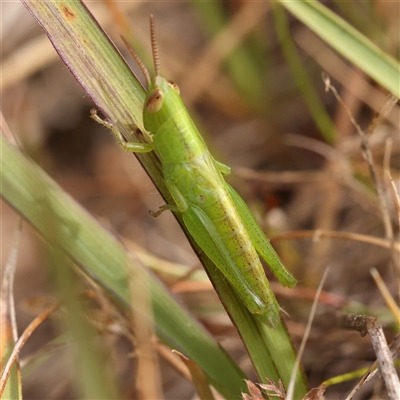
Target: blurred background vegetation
[263, 109]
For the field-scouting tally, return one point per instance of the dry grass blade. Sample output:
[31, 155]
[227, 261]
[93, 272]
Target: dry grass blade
[21, 341]
[6, 131]
[290, 389]
[281, 178]
[320, 233]
[7, 284]
[394, 191]
[206, 67]
[366, 324]
[388, 176]
[385, 362]
[8, 323]
[15, 68]
[173, 360]
[147, 379]
[369, 158]
[391, 303]
[372, 370]
[338, 69]
[198, 377]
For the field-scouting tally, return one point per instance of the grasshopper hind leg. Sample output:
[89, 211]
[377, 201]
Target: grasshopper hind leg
[261, 243]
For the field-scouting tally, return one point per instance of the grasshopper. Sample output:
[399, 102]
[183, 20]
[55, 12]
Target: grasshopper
[215, 215]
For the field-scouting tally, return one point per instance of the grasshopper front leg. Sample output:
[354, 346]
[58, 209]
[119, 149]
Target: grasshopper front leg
[128, 146]
[143, 148]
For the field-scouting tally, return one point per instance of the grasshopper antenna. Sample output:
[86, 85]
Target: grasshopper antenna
[138, 60]
[154, 47]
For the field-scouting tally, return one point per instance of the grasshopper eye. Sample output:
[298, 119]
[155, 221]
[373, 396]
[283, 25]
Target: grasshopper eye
[154, 101]
[174, 86]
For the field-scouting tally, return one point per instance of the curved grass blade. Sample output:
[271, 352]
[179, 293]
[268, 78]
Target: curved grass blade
[349, 42]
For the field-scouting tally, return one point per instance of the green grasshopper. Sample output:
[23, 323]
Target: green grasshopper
[215, 215]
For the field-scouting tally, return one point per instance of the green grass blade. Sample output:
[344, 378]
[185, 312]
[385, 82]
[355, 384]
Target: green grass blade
[90, 362]
[92, 59]
[244, 72]
[303, 82]
[283, 350]
[33, 194]
[270, 350]
[349, 42]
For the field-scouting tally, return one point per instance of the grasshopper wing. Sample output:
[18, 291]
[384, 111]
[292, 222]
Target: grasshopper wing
[260, 242]
[207, 237]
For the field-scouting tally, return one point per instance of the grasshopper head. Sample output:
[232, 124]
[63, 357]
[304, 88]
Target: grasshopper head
[162, 102]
